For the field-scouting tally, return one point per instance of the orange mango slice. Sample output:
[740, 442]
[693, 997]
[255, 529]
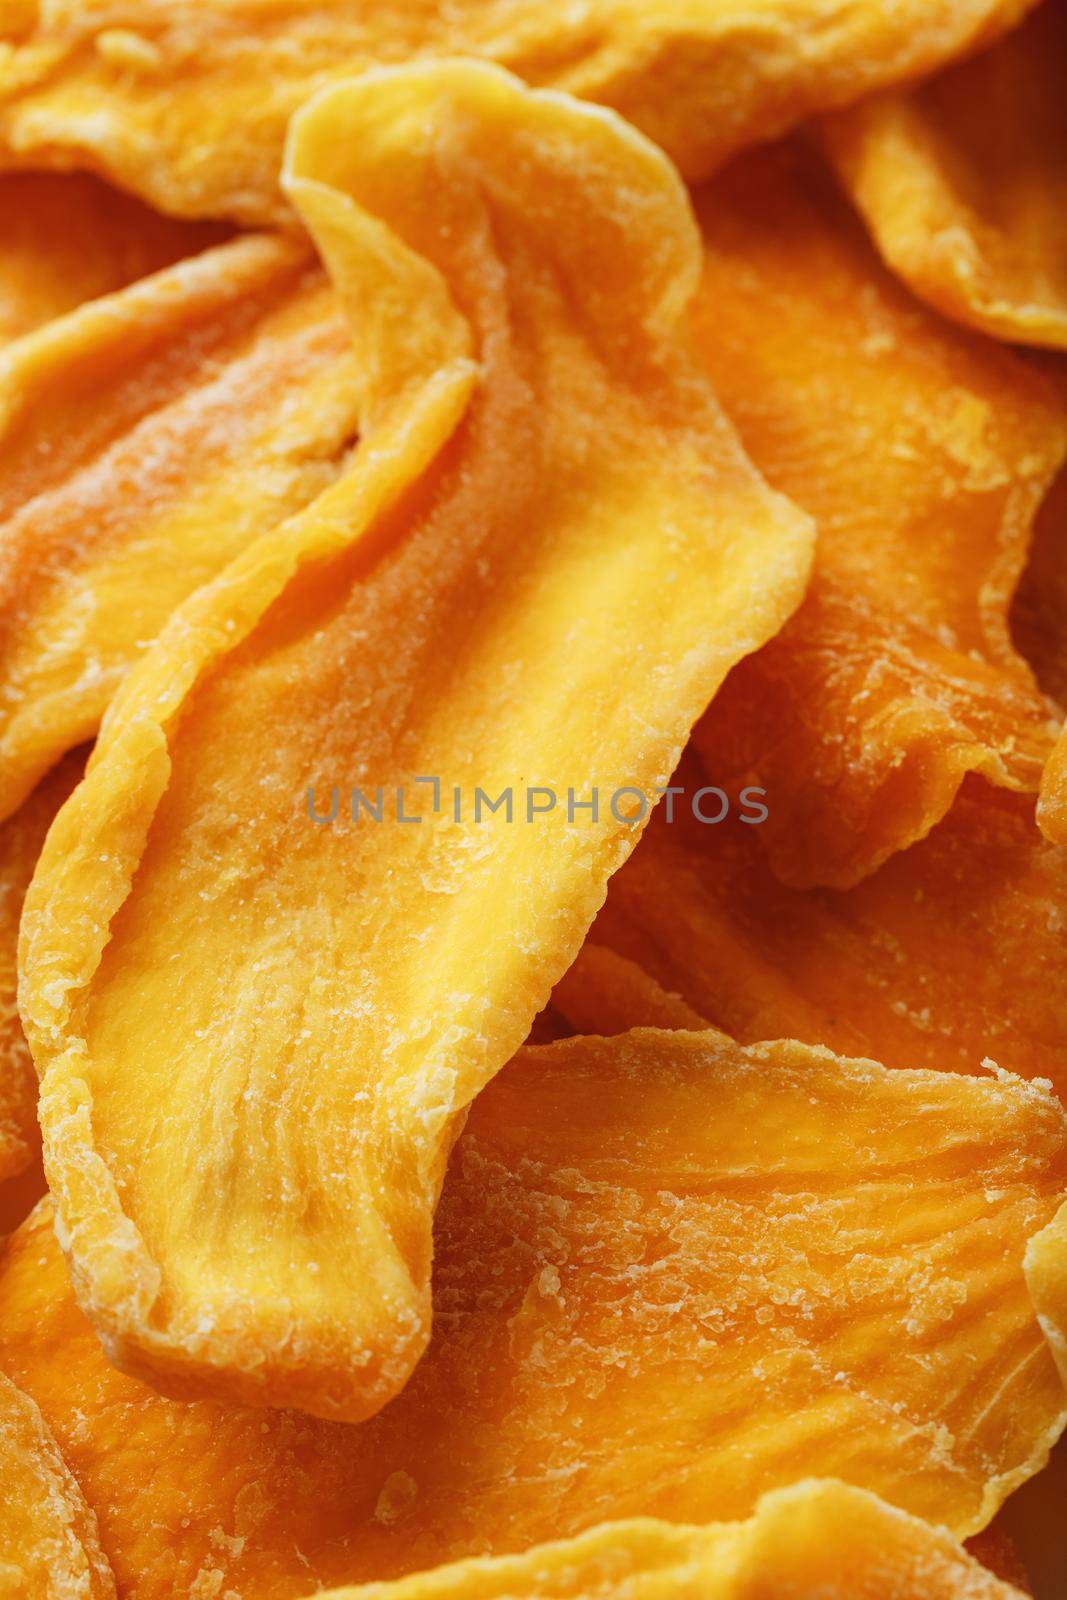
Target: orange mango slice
[70, 238]
[493, 594]
[963, 183]
[816, 1539]
[49, 1545]
[186, 101]
[21, 838]
[672, 1273]
[949, 955]
[606, 992]
[923, 454]
[145, 439]
[1052, 804]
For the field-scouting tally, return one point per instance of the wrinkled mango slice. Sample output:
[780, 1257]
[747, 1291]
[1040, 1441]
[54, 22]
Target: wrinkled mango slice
[922, 454]
[145, 440]
[246, 1126]
[186, 101]
[49, 1544]
[963, 183]
[21, 838]
[950, 954]
[606, 992]
[672, 1273]
[70, 238]
[816, 1539]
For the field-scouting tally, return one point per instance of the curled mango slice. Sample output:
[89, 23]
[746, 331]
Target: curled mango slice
[949, 955]
[69, 238]
[21, 838]
[672, 1273]
[547, 554]
[817, 1538]
[963, 183]
[186, 101]
[49, 1544]
[145, 439]
[922, 454]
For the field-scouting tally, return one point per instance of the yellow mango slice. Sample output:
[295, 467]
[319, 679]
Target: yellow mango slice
[70, 238]
[145, 440]
[814, 1541]
[495, 594]
[922, 454]
[963, 183]
[49, 1544]
[186, 101]
[671, 1274]
[950, 954]
[21, 838]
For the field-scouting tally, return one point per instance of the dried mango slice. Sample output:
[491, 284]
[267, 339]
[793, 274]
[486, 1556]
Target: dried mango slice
[49, 1545]
[963, 183]
[233, 1226]
[21, 838]
[605, 992]
[1052, 804]
[817, 1539]
[186, 101]
[923, 455]
[145, 439]
[950, 954]
[70, 238]
[671, 1274]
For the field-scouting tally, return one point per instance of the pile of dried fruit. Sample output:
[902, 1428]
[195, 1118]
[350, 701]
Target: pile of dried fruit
[431, 433]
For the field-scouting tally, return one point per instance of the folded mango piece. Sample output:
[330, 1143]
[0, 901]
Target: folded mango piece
[819, 1540]
[922, 454]
[671, 1274]
[949, 955]
[69, 238]
[21, 838]
[49, 1544]
[494, 596]
[145, 439]
[963, 183]
[186, 101]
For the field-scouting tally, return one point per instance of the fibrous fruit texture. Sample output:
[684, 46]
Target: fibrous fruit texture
[145, 439]
[672, 1273]
[963, 183]
[187, 103]
[256, 1033]
[923, 453]
[820, 1539]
